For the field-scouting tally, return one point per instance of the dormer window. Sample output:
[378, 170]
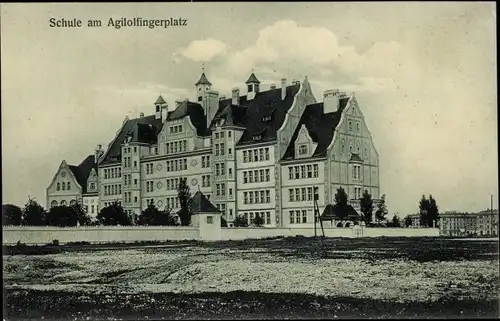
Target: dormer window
[266, 118]
[92, 186]
[157, 108]
[257, 137]
[250, 88]
[303, 150]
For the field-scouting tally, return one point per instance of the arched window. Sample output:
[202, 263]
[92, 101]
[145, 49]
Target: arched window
[63, 186]
[63, 202]
[72, 202]
[53, 203]
[58, 187]
[68, 186]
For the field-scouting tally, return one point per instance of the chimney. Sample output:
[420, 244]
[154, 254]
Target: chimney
[164, 111]
[272, 87]
[210, 105]
[235, 96]
[98, 153]
[178, 102]
[141, 114]
[330, 101]
[283, 88]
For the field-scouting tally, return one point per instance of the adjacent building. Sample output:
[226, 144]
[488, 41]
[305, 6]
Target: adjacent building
[484, 223]
[258, 152]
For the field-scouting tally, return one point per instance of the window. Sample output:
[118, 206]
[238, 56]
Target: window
[245, 156]
[245, 177]
[250, 88]
[210, 219]
[292, 217]
[303, 171]
[350, 126]
[230, 151]
[230, 172]
[261, 154]
[268, 196]
[268, 218]
[303, 150]
[245, 197]
[290, 172]
[266, 150]
[309, 171]
[216, 135]
[135, 164]
[290, 191]
[304, 216]
[222, 150]
[63, 186]
[63, 203]
[357, 126]
[135, 150]
[58, 186]
[268, 175]
[316, 170]
[231, 192]
[229, 134]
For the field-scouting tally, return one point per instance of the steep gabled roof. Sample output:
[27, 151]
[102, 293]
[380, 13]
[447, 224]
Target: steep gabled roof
[160, 101]
[320, 127]
[203, 81]
[249, 113]
[139, 129]
[252, 79]
[83, 170]
[198, 203]
[195, 113]
[331, 212]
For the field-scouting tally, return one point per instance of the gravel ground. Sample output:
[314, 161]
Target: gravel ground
[402, 272]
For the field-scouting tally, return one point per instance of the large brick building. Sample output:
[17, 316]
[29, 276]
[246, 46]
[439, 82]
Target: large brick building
[265, 152]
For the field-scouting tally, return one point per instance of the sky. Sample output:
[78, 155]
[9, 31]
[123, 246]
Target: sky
[424, 75]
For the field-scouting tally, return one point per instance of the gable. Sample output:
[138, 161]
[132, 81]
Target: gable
[65, 175]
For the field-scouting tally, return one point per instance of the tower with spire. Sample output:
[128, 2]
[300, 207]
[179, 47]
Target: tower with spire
[252, 86]
[160, 107]
[206, 97]
[202, 86]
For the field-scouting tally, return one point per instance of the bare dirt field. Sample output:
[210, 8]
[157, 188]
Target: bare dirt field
[276, 278]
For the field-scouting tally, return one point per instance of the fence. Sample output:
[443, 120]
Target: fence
[128, 234]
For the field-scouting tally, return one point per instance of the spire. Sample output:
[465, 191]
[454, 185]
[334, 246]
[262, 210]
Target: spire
[252, 79]
[160, 101]
[203, 79]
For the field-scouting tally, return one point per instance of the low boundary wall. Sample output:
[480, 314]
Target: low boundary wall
[97, 234]
[130, 234]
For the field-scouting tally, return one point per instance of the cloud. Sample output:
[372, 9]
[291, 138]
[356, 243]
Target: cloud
[204, 50]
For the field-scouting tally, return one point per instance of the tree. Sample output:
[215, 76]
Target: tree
[407, 221]
[11, 215]
[152, 216]
[240, 221]
[82, 217]
[184, 194]
[258, 220]
[33, 213]
[114, 215]
[366, 204]
[61, 216]
[423, 207]
[433, 212]
[341, 203]
[429, 211]
[382, 210]
[396, 221]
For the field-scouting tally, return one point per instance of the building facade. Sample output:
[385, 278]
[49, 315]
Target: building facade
[265, 152]
[484, 223]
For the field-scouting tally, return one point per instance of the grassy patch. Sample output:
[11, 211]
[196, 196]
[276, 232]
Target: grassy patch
[238, 304]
